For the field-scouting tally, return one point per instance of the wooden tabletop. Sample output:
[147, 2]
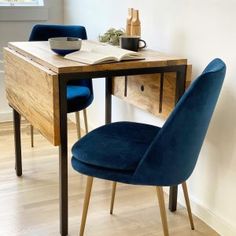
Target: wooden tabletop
[41, 53]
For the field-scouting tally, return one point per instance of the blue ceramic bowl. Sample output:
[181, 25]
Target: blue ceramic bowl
[65, 45]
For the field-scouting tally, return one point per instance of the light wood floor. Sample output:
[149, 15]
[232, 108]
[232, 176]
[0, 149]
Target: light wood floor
[29, 205]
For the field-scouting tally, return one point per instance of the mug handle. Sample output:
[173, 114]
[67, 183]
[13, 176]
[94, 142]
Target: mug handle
[144, 44]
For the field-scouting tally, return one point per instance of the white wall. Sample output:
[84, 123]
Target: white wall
[19, 31]
[200, 31]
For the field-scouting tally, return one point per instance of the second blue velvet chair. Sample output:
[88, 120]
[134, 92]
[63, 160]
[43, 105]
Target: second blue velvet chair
[143, 154]
[79, 92]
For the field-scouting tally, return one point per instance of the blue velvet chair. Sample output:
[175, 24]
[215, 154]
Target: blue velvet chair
[143, 154]
[80, 92]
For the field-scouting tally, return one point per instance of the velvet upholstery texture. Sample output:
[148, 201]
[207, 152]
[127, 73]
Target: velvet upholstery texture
[142, 154]
[79, 92]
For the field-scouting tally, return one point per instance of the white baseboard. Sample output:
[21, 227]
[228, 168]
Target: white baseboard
[5, 116]
[216, 222]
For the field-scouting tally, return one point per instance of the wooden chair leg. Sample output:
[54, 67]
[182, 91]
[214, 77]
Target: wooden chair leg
[32, 135]
[85, 121]
[78, 124]
[160, 196]
[86, 204]
[113, 197]
[185, 190]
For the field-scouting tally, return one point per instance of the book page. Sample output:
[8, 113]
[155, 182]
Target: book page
[93, 52]
[89, 57]
[119, 53]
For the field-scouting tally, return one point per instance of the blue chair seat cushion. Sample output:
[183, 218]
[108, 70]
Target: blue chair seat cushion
[78, 97]
[117, 146]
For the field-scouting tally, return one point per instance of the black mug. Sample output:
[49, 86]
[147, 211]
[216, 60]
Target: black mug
[131, 43]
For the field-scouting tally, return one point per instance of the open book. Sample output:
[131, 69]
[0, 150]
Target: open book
[92, 52]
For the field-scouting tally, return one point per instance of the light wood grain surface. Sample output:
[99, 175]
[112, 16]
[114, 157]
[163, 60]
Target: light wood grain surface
[32, 90]
[29, 204]
[41, 53]
[143, 91]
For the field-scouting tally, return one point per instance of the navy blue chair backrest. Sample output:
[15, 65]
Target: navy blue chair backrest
[44, 32]
[173, 153]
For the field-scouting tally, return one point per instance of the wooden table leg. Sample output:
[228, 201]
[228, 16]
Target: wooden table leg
[17, 139]
[63, 163]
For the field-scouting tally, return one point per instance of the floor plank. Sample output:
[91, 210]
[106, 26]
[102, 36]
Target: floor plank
[29, 204]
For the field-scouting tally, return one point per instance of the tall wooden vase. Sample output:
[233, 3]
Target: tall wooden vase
[135, 24]
[128, 21]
